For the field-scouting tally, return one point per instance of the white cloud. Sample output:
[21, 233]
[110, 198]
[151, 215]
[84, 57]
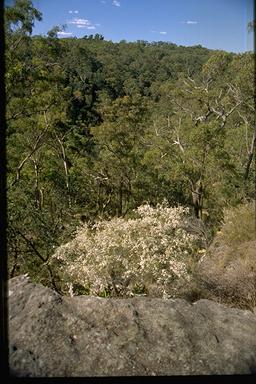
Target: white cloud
[73, 11]
[76, 12]
[82, 23]
[160, 32]
[64, 33]
[86, 26]
[189, 22]
[116, 3]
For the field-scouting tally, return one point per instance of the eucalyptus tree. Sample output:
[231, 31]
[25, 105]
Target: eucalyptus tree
[36, 157]
[204, 119]
[119, 140]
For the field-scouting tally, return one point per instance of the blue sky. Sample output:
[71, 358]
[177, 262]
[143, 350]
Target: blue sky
[215, 24]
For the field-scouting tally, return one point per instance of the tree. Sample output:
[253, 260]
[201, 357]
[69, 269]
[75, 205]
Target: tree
[119, 142]
[96, 128]
[197, 126]
[19, 19]
[35, 108]
[251, 25]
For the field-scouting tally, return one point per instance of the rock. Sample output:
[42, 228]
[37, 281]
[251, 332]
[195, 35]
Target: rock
[56, 336]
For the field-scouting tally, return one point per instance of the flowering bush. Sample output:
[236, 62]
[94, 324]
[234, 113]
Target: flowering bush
[122, 257]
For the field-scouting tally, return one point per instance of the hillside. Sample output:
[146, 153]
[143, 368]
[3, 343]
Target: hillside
[97, 129]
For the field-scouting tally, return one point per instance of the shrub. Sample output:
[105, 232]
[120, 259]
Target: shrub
[227, 272]
[152, 252]
[239, 225]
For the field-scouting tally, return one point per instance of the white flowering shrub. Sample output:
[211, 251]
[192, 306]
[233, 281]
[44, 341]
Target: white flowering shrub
[122, 257]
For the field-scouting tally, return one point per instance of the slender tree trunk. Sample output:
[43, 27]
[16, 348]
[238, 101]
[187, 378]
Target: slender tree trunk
[120, 203]
[197, 198]
[38, 192]
[65, 164]
[250, 157]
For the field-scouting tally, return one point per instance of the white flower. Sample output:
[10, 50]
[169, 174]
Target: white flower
[124, 254]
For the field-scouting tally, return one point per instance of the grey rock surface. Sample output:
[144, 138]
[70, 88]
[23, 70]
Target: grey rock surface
[56, 336]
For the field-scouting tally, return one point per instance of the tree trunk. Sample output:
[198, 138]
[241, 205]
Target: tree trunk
[250, 157]
[120, 203]
[38, 192]
[65, 164]
[197, 198]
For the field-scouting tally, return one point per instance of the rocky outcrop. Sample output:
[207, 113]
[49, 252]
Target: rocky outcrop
[52, 335]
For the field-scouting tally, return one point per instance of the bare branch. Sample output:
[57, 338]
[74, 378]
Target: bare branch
[65, 164]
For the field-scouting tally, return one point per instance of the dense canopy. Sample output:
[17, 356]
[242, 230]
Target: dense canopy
[95, 129]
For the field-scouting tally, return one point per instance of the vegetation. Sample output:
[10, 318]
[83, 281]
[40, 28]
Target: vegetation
[96, 129]
[227, 272]
[122, 257]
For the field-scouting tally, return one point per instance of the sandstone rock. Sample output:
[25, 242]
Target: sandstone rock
[52, 335]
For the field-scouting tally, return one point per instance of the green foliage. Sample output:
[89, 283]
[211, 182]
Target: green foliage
[96, 128]
[239, 225]
[20, 17]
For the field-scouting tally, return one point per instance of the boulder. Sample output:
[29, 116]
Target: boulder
[60, 336]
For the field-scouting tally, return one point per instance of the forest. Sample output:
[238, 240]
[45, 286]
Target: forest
[107, 140]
